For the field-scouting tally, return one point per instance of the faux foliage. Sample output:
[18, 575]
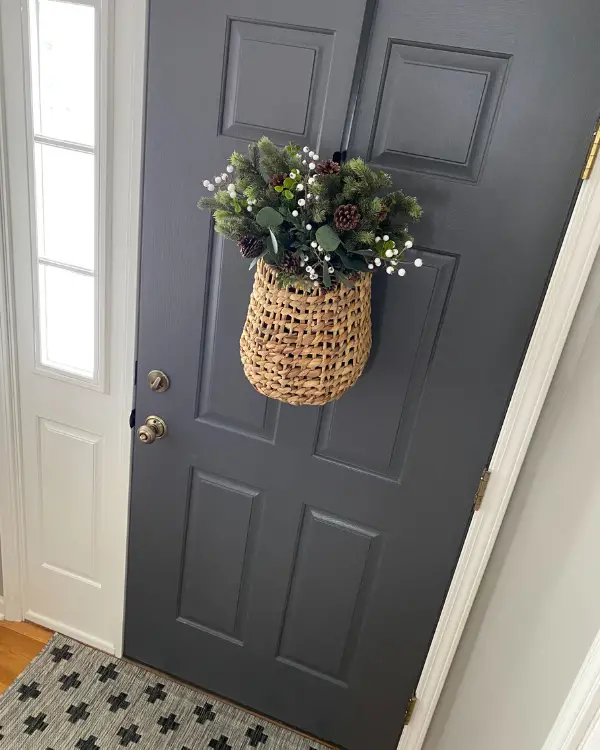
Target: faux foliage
[280, 204]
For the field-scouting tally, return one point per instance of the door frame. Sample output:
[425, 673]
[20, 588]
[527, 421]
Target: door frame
[579, 717]
[562, 297]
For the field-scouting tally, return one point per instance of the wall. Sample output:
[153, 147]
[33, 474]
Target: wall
[538, 609]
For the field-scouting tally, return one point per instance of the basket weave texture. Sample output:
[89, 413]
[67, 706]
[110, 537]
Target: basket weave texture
[305, 347]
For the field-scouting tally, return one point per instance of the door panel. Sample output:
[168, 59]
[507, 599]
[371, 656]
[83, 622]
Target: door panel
[218, 538]
[361, 430]
[230, 403]
[326, 644]
[295, 559]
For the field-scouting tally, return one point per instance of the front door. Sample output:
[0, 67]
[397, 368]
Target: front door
[295, 559]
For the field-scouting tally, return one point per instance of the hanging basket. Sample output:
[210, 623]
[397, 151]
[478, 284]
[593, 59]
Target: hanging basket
[305, 347]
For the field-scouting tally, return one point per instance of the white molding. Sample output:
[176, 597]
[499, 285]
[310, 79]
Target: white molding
[62, 627]
[591, 741]
[556, 316]
[128, 104]
[580, 713]
[11, 489]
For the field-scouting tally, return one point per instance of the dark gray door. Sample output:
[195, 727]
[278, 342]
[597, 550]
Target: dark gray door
[295, 560]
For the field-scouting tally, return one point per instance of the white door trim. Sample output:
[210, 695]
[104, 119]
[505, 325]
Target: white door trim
[11, 497]
[556, 316]
[580, 713]
[564, 292]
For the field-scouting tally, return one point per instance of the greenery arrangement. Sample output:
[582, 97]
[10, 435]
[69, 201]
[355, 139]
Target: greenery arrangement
[318, 222]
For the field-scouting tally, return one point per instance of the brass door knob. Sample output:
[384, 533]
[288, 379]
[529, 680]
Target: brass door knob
[154, 429]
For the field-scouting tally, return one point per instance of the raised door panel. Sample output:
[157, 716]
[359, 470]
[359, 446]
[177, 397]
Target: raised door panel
[435, 108]
[221, 529]
[330, 587]
[370, 428]
[225, 397]
[69, 474]
[276, 80]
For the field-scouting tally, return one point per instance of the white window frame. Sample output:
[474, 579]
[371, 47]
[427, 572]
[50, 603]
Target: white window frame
[103, 96]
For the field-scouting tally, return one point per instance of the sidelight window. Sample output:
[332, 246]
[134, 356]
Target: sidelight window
[68, 178]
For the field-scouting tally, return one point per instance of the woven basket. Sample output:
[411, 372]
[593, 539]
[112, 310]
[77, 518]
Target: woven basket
[305, 347]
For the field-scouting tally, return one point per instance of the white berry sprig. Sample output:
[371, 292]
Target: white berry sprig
[390, 257]
[219, 179]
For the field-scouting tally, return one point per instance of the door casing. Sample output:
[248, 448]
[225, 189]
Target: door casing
[570, 274]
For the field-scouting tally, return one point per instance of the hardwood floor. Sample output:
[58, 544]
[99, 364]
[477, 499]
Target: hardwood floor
[20, 642]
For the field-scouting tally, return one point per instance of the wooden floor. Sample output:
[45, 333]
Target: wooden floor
[20, 642]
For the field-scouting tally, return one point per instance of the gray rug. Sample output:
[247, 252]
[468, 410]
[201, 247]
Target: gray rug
[72, 696]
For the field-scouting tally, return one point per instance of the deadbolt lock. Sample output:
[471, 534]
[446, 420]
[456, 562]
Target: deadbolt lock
[154, 428]
[158, 381]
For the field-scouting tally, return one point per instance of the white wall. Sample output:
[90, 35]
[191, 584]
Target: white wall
[538, 609]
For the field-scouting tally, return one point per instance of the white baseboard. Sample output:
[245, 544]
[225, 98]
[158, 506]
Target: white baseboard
[78, 635]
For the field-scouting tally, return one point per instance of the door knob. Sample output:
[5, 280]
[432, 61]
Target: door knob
[154, 428]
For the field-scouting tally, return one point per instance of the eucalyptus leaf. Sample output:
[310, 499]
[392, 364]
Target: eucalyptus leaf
[255, 260]
[344, 279]
[274, 242]
[355, 264]
[288, 183]
[269, 217]
[327, 238]
[288, 194]
[326, 276]
[279, 188]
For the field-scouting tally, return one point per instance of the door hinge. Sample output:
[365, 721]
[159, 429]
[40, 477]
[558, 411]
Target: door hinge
[479, 495]
[592, 154]
[410, 709]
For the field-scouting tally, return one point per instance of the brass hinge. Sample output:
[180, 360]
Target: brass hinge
[483, 483]
[410, 709]
[592, 154]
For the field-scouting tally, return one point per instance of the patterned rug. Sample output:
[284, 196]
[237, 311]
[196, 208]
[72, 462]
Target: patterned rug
[72, 696]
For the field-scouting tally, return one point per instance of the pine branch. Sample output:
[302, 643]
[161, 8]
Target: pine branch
[272, 160]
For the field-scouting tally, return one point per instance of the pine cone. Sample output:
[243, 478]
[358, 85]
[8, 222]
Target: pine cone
[346, 217]
[251, 247]
[291, 264]
[328, 167]
[277, 179]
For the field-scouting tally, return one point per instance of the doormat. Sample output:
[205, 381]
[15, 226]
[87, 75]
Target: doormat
[72, 696]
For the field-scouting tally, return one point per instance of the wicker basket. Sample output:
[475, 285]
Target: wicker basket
[305, 347]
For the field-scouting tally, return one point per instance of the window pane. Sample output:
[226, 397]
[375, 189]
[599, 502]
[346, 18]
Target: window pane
[67, 320]
[65, 205]
[65, 64]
